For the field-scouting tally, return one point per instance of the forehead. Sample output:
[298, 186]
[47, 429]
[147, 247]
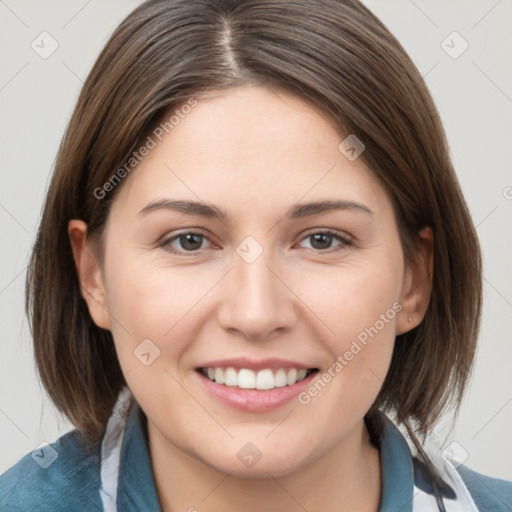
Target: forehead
[250, 147]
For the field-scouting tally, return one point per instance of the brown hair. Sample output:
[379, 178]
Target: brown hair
[336, 54]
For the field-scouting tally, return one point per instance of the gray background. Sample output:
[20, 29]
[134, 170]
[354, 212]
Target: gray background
[474, 96]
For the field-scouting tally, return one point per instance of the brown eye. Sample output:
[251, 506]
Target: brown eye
[186, 242]
[323, 240]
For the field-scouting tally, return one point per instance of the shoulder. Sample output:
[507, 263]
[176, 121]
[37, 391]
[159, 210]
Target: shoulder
[488, 493]
[63, 475]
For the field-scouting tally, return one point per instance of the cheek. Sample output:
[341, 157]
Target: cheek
[353, 298]
[147, 301]
[156, 314]
[358, 307]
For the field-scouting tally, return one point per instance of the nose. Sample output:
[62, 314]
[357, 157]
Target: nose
[257, 301]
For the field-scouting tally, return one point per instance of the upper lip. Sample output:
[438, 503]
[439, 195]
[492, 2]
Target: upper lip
[252, 364]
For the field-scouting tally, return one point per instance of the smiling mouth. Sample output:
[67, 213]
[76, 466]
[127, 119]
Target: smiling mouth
[266, 379]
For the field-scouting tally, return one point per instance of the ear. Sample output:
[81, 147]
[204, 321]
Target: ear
[417, 284]
[89, 273]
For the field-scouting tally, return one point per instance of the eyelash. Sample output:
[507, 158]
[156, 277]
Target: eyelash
[345, 242]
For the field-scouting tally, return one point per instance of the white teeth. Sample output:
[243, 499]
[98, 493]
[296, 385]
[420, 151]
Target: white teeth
[219, 375]
[248, 379]
[280, 378]
[231, 377]
[265, 380]
[291, 377]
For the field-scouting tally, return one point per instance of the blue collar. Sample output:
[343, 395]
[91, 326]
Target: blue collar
[136, 486]
[137, 490]
[396, 469]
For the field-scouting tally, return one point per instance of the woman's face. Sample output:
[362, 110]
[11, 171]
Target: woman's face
[268, 286]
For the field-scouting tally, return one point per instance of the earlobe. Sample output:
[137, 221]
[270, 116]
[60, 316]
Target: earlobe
[89, 273]
[417, 285]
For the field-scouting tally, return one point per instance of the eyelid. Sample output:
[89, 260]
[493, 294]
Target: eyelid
[334, 232]
[166, 239]
[345, 239]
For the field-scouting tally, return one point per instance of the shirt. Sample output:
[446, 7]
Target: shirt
[117, 476]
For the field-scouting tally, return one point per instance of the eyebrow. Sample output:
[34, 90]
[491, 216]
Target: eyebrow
[213, 212]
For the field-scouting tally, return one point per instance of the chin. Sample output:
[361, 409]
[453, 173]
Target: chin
[251, 463]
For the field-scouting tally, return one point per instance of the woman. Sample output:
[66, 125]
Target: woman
[253, 247]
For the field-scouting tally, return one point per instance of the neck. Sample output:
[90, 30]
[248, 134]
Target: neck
[346, 478]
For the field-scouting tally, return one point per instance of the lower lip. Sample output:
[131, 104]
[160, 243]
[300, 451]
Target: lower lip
[254, 400]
